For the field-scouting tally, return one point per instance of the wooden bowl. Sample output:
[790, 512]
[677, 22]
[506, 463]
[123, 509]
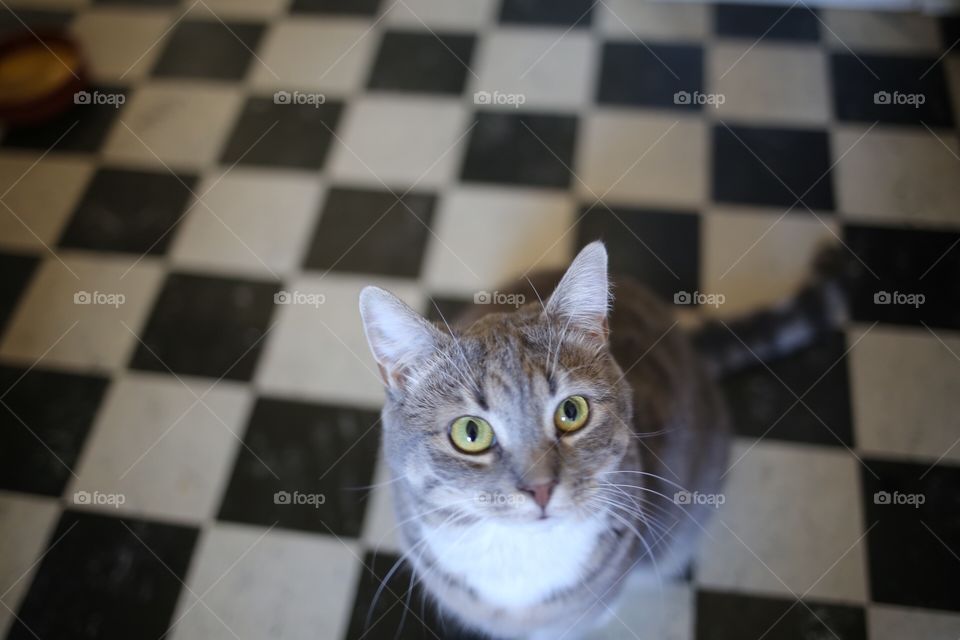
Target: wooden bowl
[39, 75]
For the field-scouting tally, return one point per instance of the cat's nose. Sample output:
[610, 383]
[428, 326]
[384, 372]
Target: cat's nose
[541, 491]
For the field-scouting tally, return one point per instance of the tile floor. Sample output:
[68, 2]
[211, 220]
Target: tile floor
[180, 343]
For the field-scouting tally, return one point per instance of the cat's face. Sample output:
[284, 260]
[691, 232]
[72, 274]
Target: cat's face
[517, 417]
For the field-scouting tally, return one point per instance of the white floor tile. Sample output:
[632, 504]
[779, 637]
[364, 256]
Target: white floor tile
[768, 83]
[472, 253]
[795, 510]
[329, 55]
[26, 523]
[642, 159]
[181, 125]
[400, 142]
[283, 585]
[919, 420]
[897, 175]
[41, 325]
[442, 14]
[548, 68]
[880, 31]
[35, 214]
[256, 222]
[654, 21]
[753, 259]
[121, 44]
[166, 454]
[320, 352]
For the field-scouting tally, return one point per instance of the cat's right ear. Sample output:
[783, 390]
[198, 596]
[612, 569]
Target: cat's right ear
[583, 295]
[398, 336]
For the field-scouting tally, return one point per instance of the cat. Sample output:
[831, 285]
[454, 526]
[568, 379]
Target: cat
[542, 454]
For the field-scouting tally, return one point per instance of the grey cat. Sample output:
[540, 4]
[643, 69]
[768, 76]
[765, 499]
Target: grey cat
[542, 455]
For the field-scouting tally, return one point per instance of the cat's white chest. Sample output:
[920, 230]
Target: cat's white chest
[516, 564]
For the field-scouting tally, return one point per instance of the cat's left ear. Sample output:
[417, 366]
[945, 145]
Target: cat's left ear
[399, 337]
[583, 295]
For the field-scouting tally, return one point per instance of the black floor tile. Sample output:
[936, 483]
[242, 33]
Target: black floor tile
[370, 232]
[207, 326]
[44, 420]
[891, 89]
[566, 13]
[440, 309]
[282, 135]
[37, 20]
[658, 248]
[81, 129]
[658, 75]
[760, 405]
[770, 22]
[527, 149]
[209, 49]
[16, 272]
[730, 616]
[353, 7]
[908, 263]
[765, 166]
[422, 61]
[913, 505]
[132, 211]
[402, 609]
[105, 578]
[296, 451]
[950, 31]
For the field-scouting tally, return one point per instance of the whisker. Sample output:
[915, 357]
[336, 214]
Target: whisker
[656, 569]
[647, 474]
[655, 525]
[375, 485]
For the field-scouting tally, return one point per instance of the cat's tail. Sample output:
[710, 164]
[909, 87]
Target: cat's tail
[819, 307]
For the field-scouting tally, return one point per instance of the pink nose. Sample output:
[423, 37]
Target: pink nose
[541, 492]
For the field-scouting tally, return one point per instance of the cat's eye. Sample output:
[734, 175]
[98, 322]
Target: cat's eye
[470, 434]
[571, 414]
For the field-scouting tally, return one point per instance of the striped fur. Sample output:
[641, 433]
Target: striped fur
[657, 427]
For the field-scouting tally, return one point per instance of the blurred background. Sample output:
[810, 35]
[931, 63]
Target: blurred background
[193, 193]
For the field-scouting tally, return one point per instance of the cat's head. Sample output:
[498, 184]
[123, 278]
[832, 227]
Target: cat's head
[515, 417]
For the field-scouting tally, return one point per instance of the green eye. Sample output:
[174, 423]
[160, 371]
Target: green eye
[470, 434]
[571, 414]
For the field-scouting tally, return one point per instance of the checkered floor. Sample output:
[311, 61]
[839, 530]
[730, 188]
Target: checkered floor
[180, 342]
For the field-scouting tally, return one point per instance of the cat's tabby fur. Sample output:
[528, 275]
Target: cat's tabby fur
[491, 558]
